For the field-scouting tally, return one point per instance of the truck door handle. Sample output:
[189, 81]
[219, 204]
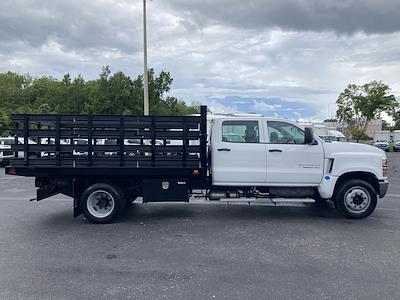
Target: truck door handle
[224, 149]
[275, 150]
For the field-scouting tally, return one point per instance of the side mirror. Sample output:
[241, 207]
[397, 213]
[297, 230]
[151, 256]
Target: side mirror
[308, 136]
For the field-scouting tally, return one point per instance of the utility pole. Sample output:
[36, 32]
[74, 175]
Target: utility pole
[145, 74]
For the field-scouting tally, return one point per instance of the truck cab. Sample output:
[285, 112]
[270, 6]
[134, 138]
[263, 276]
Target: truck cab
[277, 156]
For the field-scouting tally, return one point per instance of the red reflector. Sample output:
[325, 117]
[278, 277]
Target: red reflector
[11, 171]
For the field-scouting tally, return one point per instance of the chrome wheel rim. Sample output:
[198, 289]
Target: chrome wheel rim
[100, 204]
[357, 200]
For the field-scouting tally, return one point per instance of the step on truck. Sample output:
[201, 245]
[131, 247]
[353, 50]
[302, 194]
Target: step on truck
[105, 162]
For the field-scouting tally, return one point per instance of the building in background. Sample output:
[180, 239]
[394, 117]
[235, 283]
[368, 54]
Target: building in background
[387, 136]
[374, 126]
[331, 125]
[374, 130]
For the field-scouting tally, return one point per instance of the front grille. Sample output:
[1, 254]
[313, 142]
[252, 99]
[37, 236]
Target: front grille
[8, 153]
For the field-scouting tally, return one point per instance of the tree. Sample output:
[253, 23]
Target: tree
[14, 97]
[397, 125]
[358, 105]
[385, 125]
[357, 134]
[109, 94]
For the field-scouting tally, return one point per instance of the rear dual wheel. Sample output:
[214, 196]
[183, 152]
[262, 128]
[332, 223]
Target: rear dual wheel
[101, 203]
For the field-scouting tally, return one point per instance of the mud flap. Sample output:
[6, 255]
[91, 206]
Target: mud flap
[46, 188]
[76, 195]
[42, 194]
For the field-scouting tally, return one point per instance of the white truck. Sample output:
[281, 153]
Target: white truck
[5, 150]
[334, 136]
[240, 157]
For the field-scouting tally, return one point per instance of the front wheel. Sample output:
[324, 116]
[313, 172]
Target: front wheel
[355, 199]
[101, 203]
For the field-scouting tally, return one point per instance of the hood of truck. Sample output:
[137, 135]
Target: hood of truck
[352, 157]
[333, 149]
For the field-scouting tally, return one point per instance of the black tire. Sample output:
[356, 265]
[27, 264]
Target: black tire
[112, 199]
[355, 199]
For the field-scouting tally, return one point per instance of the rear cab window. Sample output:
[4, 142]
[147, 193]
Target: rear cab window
[240, 131]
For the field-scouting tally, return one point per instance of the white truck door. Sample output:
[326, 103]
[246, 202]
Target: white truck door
[238, 157]
[289, 160]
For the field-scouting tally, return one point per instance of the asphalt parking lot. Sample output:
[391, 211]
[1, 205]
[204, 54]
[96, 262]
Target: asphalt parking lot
[197, 251]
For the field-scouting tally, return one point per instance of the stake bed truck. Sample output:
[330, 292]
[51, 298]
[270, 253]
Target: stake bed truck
[171, 158]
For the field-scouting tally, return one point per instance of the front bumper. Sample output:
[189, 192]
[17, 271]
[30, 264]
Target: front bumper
[383, 188]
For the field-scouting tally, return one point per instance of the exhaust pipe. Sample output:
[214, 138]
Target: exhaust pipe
[218, 195]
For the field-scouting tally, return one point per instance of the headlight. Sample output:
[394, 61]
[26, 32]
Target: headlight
[385, 167]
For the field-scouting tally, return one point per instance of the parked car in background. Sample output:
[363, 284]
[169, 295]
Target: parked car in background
[79, 142]
[337, 136]
[396, 146]
[5, 150]
[382, 145]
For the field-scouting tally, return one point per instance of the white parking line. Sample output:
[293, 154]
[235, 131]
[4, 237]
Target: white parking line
[28, 198]
[389, 209]
[393, 195]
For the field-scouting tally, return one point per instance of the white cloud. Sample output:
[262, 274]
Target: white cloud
[259, 105]
[211, 54]
[219, 108]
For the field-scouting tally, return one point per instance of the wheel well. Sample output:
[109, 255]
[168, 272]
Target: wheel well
[130, 188]
[369, 177]
[127, 186]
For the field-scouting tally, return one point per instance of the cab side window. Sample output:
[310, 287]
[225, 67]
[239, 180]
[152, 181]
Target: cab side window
[284, 133]
[240, 132]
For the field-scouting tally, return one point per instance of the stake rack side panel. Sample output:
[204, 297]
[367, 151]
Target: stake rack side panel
[110, 141]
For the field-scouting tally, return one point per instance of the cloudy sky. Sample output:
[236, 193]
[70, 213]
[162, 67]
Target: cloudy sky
[289, 58]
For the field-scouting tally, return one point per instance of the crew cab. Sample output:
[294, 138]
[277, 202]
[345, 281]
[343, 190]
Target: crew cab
[176, 157]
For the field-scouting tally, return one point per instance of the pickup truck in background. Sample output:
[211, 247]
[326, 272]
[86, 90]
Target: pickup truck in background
[174, 158]
[5, 150]
[334, 136]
